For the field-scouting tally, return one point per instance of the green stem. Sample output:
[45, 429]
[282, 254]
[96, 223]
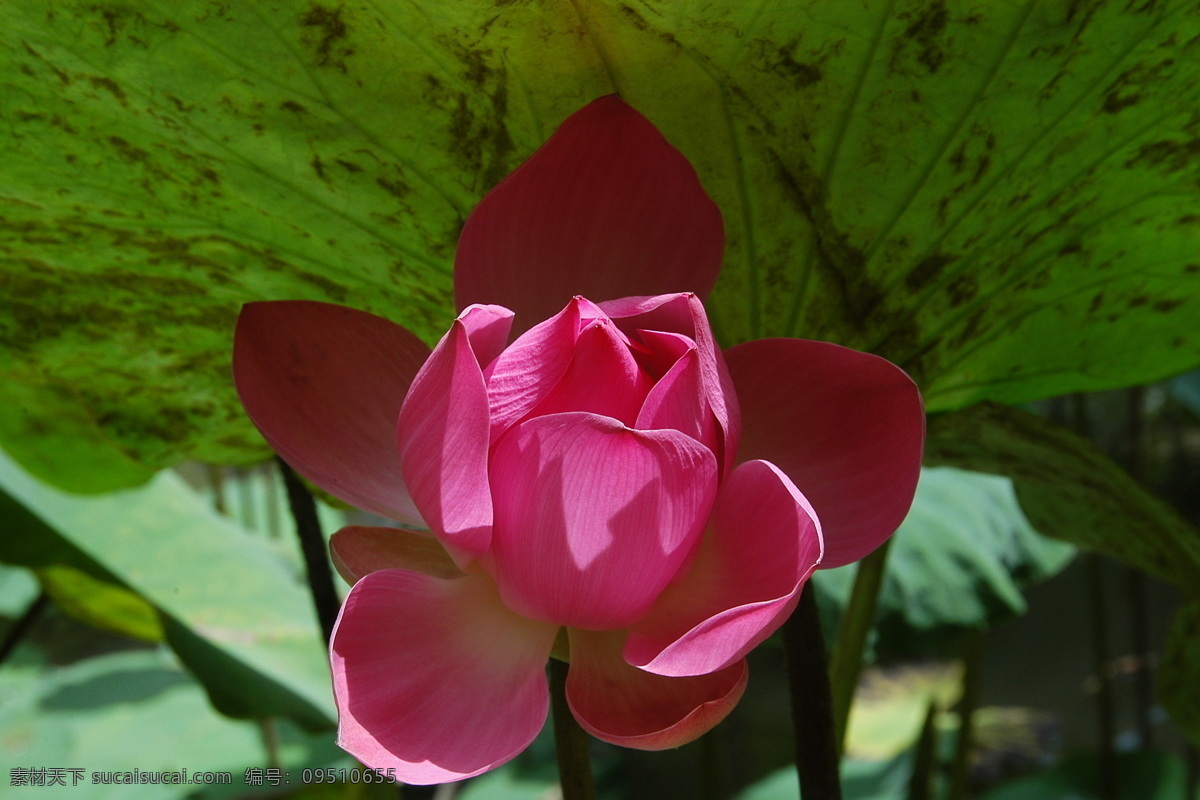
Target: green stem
[268, 728]
[570, 740]
[246, 499]
[312, 545]
[1105, 705]
[712, 778]
[812, 709]
[960, 768]
[23, 624]
[1135, 580]
[216, 480]
[1192, 785]
[846, 662]
[920, 785]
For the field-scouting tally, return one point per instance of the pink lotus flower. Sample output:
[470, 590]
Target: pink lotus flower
[578, 453]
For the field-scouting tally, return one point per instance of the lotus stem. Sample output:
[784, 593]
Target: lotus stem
[312, 545]
[570, 740]
[846, 661]
[920, 785]
[1105, 704]
[812, 707]
[960, 767]
[1135, 579]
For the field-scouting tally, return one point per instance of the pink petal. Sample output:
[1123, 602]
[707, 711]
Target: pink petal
[684, 314]
[603, 377]
[593, 519]
[532, 366]
[606, 208]
[487, 328]
[847, 427]
[624, 705]
[659, 350]
[678, 402]
[443, 437]
[436, 679]
[762, 543]
[324, 385]
[360, 549]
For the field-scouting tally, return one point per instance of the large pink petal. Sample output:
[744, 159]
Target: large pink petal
[606, 208]
[324, 385]
[593, 519]
[624, 705]
[684, 314]
[436, 679]
[847, 427]
[358, 550]
[443, 437]
[603, 377]
[762, 543]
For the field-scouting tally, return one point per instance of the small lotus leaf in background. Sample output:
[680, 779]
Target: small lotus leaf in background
[1000, 197]
[100, 603]
[1070, 489]
[232, 612]
[958, 562]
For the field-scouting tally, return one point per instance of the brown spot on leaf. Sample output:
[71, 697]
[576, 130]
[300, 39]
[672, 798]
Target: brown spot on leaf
[800, 74]
[1114, 103]
[108, 85]
[480, 141]
[925, 30]
[62, 76]
[639, 22]
[395, 188]
[128, 151]
[1171, 155]
[1165, 306]
[179, 104]
[962, 289]
[326, 35]
[928, 270]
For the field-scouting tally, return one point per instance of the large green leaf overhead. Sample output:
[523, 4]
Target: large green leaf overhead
[1003, 198]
